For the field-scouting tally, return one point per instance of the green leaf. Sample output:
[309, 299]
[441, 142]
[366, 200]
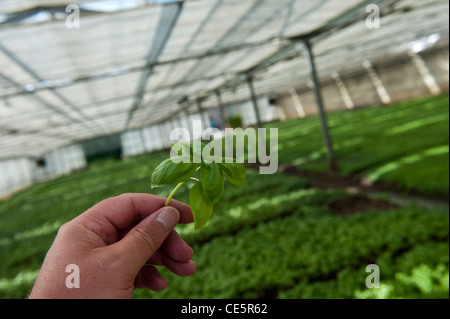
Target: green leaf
[201, 209]
[173, 171]
[212, 182]
[181, 148]
[197, 147]
[235, 173]
[194, 150]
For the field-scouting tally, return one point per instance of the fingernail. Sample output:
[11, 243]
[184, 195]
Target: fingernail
[169, 217]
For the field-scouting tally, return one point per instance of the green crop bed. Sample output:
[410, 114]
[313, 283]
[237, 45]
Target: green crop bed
[405, 143]
[276, 237]
[314, 254]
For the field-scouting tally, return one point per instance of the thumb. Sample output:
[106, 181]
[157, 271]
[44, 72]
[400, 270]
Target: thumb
[144, 239]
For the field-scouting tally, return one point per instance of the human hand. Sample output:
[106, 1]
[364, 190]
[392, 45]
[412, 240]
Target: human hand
[114, 245]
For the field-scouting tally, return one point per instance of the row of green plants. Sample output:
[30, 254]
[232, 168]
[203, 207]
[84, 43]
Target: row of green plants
[260, 201]
[39, 214]
[274, 236]
[404, 143]
[317, 254]
[421, 272]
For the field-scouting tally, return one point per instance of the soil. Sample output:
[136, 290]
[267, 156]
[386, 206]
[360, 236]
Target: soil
[321, 180]
[365, 189]
[359, 204]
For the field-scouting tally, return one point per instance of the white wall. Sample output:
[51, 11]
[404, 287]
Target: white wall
[15, 174]
[157, 137]
[60, 162]
[21, 172]
[132, 143]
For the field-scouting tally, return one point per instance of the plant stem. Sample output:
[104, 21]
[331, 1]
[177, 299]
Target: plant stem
[178, 187]
[173, 193]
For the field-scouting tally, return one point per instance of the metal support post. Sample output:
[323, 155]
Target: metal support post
[332, 162]
[254, 101]
[223, 113]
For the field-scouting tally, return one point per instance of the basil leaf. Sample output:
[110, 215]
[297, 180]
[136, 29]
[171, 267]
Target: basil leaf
[235, 173]
[197, 147]
[194, 150]
[173, 171]
[201, 209]
[212, 182]
[181, 148]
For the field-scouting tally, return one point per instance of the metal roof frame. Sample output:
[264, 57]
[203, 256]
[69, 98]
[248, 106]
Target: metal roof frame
[203, 49]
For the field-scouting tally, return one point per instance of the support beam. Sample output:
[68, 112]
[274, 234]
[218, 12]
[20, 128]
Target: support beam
[189, 121]
[254, 101]
[426, 74]
[223, 112]
[333, 166]
[298, 104]
[168, 20]
[143, 140]
[66, 102]
[349, 104]
[379, 86]
[49, 106]
[13, 130]
[281, 113]
[162, 134]
[203, 114]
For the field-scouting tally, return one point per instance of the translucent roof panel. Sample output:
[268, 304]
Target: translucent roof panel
[130, 63]
[349, 48]
[104, 42]
[14, 6]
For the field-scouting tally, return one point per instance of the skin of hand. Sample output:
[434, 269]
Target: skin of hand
[114, 244]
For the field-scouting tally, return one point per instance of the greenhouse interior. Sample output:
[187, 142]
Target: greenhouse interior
[92, 91]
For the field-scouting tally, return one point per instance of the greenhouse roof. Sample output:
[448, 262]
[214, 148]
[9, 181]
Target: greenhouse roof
[129, 66]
